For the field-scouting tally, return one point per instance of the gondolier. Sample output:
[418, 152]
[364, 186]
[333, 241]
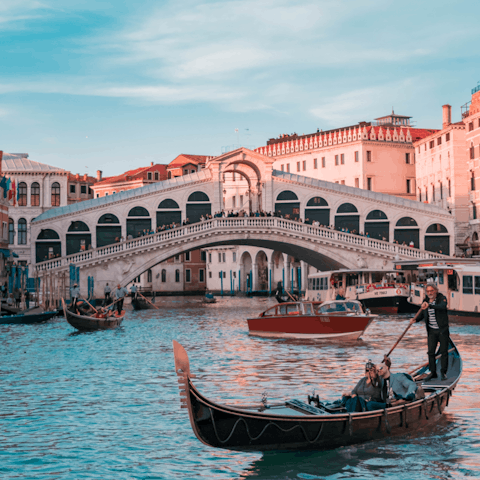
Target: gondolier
[107, 292]
[119, 294]
[74, 294]
[435, 315]
[133, 291]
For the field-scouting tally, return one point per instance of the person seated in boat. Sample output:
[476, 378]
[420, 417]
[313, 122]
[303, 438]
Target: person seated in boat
[397, 388]
[340, 294]
[367, 394]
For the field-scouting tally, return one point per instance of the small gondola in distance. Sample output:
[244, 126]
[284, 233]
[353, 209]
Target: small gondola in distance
[139, 303]
[27, 319]
[88, 323]
[297, 425]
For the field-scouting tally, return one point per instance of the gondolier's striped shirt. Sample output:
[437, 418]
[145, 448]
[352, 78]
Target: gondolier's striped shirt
[432, 321]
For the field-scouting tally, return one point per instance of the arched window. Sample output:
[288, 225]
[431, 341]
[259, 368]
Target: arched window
[198, 197]
[170, 213]
[377, 225]
[436, 228]
[55, 194]
[78, 237]
[11, 232]
[437, 239]
[317, 210]
[108, 218]
[48, 245]
[164, 275]
[138, 212]
[317, 202]
[35, 195]
[408, 234]
[137, 227]
[78, 226]
[347, 208]
[149, 275]
[108, 230]
[22, 231]
[177, 276]
[22, 194]
[286, 195]
[168, 203]
[48, 234]
[407, 222]
[198, 205]
[376, 215]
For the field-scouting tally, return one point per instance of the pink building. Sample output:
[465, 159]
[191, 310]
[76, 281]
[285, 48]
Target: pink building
[377, 156]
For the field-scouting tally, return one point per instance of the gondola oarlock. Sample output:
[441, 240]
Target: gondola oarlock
[291, 426]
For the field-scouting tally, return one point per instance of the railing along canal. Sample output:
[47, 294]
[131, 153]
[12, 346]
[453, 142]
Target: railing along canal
[225, 224]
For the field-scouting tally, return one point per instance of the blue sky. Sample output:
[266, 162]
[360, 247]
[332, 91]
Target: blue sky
[87, 85]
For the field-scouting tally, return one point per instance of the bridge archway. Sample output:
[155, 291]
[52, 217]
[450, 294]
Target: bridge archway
[138, 220]
[246, 271]
[198, 204]
[437, 238]
[109, 230]
[317, 209]
[377, 225]
[78, 237]
[168, 212]
[347, 218]
[406, 231]
[48, 245]
[287, 204]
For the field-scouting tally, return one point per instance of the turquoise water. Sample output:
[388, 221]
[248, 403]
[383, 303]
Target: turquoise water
[105, 405]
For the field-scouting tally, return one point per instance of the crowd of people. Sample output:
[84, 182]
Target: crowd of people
[20, 297]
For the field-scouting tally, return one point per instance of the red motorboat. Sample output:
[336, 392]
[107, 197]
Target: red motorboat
[339, 319]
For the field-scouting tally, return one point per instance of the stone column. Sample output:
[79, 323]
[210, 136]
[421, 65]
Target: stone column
[304, 277]
[288, 273]
[271, 284]
[254, 277]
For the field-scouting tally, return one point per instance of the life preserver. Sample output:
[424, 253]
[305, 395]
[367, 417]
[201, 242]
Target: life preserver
[398, 292]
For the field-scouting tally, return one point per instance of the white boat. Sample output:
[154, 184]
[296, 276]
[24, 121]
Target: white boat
[381, 291]
[458, 280]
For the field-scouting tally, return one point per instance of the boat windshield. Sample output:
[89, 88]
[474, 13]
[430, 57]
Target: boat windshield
[331, 307]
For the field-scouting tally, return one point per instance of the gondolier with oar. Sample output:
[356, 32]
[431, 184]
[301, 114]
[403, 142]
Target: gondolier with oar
[119, 294]
[435, 315]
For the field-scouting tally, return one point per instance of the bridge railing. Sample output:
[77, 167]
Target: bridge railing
[219, 224]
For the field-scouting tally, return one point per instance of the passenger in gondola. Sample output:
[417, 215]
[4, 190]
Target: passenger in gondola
[397, 388]
[367, 394]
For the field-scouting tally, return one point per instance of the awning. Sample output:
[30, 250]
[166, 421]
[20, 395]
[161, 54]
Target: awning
[6, 253]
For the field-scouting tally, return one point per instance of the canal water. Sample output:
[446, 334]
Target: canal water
[105, 405]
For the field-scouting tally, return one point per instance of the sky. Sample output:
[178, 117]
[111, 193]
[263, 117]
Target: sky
[88, 85]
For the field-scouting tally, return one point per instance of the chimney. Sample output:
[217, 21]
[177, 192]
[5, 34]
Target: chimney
[77, 176]
[99, 175]
[85, 176]
[447, 115]
[151, 164]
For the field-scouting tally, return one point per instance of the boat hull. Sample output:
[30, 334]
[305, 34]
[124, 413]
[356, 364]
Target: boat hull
[140, 304]
[27, 319]
[321, 327]
[86, 323]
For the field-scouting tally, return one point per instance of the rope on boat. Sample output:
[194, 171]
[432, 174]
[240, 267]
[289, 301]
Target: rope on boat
[387, 425]
[405, 421]
[263, 431]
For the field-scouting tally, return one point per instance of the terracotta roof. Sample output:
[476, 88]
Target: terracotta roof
[136, 174]
[183, 159]
[72, 177]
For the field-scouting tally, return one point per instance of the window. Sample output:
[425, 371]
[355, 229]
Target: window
[336, 159]
[449, 188]
[149, 175]
[440, 277]
[304, 165]
[369, 183]
[22, 194]
[433, 193]
[470, 126]
[90, 191]
[177, 276]
[441, 190]
[234, 202]
[357, 183]
[298, 166]
[342, 159]
[209, 258]
[369, 156]
[149, 275]
[188, 275]
[83, 189]
[11, 232]
[357, 158]
[409, 185]
[219, 257]
[447, 137]
[288, 167]
[474, 212]
[426, 194]
[201, 275]
[432, 143]
[472, 152]
[315, 163]
[439, 140]
[472, 181]
[22, 231]
[467, 284]
[419, 194]
[177, 258]
[203, 256]
[156, 175]
[209, 274]
[164, 275]
[234, 255]
[187, 256]
[224, 255]
[55, 194]
[281, 168]
[323, 162]
[224, 275]
[407, 158]
[241, 201]
[35, 195]
[477, 285]
[72, 188]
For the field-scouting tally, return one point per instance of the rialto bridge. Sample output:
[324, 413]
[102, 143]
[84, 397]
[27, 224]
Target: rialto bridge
[103, 236]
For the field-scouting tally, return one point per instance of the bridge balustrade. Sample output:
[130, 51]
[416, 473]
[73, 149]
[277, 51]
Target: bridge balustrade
[219, 224]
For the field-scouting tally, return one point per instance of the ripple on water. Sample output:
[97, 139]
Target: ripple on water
[106, 405]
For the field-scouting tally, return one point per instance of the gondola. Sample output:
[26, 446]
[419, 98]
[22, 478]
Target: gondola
[298, 425]
[27, 319]
[139, 303]
[85, 322]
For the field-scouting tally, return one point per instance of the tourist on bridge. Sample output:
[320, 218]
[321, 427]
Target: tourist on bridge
[119, 294]
[74, 295]
[107, 292]
[435, 315]
[133, 291]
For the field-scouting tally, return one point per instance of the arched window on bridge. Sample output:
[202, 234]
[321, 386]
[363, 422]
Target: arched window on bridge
[287, 205]
[48, 245]
[437, 239]
[79, 237]
[347, 218]
[377, 225]
[317, 210]
[164, 275]
[406, 231]
[22, 194]
[35, 194]
[168, 212]
[55, 194]
[22, 231]
[108, 230]
[137, 223]
[198, 204]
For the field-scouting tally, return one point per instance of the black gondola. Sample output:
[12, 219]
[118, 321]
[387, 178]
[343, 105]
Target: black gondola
[27, 319]
[297, 425]
[139, 303]
[86, 322]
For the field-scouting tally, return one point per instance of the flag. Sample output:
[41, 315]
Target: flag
[3, 184]
[7, 188]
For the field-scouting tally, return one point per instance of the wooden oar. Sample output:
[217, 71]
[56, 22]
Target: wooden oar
[291, 296]
[148, 301]
[117, 300]
[402, 335]
[85, 300]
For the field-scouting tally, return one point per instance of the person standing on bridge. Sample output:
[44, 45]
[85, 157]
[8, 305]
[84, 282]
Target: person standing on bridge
[119, 294]
[107, 292]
